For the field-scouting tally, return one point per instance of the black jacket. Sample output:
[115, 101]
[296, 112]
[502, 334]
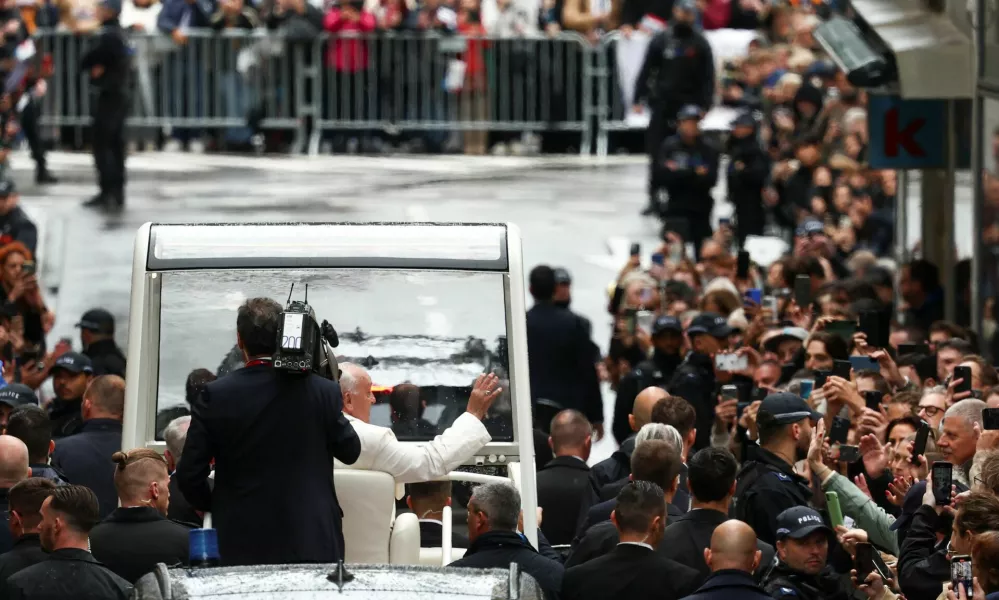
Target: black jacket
[564, 491]
[6, 538]
[85, 459]
[497, 549]
[784, 583]
[432, 536]
[106, 357]
[112, 53]
[922, 563]
[694, 381]
[601, 537]
[656, 371]
[614, 468]
[561, 359]
[730, 584]
[629, 571]
[679, 69]
[15, 226]
[180, 509]
[688, 535]
[747, 175]
[67, 573]
[66, 417]
[273, 437]
[27, 551]
[681, 499]
[688, 171]
[132, 541]
[765, 487]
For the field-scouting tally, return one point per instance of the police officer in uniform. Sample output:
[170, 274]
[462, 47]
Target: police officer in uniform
[694, 380]
[97, 334]
[108, 64]
[802, 571]
[747, 176]
[679, 69]
[688, 168]
[767, 484]
[667, 342]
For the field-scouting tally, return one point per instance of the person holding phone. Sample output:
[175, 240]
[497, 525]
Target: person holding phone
[695, 379]
[802, 572]
[667, 354]
[20, 288]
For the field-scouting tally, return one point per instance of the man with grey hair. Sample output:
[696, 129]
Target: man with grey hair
[409, 463]
[13, 468]
[175, 434]
[493, 515]
[959, 432]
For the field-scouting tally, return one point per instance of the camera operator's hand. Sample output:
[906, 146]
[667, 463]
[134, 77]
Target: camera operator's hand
[484, 391]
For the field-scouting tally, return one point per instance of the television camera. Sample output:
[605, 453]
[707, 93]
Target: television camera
[303, 345]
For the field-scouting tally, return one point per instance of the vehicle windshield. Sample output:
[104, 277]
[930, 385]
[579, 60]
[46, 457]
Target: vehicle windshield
[437, 330]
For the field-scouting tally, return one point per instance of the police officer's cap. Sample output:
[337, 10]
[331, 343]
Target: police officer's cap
[800, 522]
[711, 324]
[97, 320]
[745, 119]
[666, 323]
[784, 408]
[687, 5]
[562, 276]
[810, 227]
[74, 362]
[7, 188]
[17, 394]
[690, 111]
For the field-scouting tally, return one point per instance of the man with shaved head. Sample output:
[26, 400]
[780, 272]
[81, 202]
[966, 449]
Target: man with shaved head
[13, 468]
[617, 467]
[732, 557]
[667, 341]
[564, 489]
[409, 463]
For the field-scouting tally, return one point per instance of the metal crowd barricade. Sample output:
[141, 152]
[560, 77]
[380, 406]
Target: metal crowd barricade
[438, 85]
[610, 110]
[433, 86]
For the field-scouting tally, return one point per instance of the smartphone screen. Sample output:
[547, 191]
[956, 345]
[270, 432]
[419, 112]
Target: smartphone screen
[803, 291]
[843, 329]
[730, 392]
[849, 454]
[821, 377]
[864, 363]
[742, 265]
[963, 373]
[841, 368]
[873, 398]
[658, 259]
[960, 573]
[919, 446]
[990, 418]
[755, 295]
[806, 387]
[839, 430]
[636, 249]
[864, 561]
[28, 268]
[943, 473]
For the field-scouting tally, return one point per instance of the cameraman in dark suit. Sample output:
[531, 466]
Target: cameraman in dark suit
[273, 437]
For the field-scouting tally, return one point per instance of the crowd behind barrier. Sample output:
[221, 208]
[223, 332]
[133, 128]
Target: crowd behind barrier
[434, 85]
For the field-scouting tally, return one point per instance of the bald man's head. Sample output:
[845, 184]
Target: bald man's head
[733, 546]
[570, 434]
[641, 411]
[13, 461]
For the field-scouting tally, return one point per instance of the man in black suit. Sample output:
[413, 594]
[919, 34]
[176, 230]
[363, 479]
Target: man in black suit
[427, 500]
[31, 424]
[733, 557]
[493, 514]
[137, 536]
[711, 477]
[25, 500]
[633, 569]
[85, 457]
[70, 572]
[563, 373]
[273, 437]
[656, 461]
[564, 488]
[175, 435]
[678, 413]
[618, 466]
